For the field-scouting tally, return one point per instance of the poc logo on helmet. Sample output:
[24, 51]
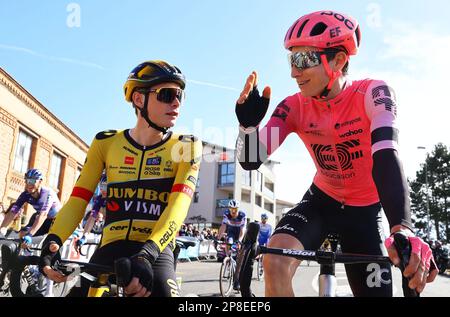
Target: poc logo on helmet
[349, 24]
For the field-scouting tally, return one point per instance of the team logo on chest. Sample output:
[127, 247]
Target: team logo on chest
[346, 152]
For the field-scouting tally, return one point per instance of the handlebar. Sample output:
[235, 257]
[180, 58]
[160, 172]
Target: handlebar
[121, 269]
[324, 257]
[248, 253]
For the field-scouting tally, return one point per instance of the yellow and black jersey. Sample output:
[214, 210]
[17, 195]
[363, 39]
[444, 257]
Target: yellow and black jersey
[149, 188]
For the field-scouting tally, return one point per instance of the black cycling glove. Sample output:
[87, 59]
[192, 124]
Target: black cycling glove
[253, 110]
[143, 270]
[142, 264]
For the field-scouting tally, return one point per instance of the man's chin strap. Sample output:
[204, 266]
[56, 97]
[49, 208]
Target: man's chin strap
[144, 114]
[331, 74]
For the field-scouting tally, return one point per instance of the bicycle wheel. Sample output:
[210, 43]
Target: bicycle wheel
[26, 280]
[226, 278]
[246, 258]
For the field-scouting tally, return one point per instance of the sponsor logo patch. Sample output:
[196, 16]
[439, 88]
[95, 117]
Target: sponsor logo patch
[192, 180]
[154, 160]
[129, 160]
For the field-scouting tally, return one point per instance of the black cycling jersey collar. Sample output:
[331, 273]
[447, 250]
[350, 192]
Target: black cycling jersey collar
[336, 101]
[165, 138]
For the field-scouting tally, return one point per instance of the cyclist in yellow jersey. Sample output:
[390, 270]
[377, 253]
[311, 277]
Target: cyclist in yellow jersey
[151, 175]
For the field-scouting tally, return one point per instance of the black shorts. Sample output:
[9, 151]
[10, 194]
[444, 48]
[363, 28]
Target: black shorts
[360, 230]
[164, 278]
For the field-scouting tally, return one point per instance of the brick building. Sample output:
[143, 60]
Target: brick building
[31, 136]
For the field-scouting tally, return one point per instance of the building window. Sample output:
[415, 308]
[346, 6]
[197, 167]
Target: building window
[258, 200]
[23, 152]
[196, 197]
[55, 170]
[268, 207]
[246, 198]
[222, 203]
[226, 174]
[269, 185]
[247, 178]
[268, 189]
[77, 174]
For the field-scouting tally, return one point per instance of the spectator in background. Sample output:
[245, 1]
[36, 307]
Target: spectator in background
[190, 230]
[208, 234]
[183, 231]
[204, 234]
[98, 224]
[196, 234]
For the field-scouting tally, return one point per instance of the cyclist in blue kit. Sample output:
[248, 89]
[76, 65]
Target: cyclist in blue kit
[233, 223]
[265, 230]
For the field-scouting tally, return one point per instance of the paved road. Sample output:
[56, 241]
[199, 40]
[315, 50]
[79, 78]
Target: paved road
[202, 278]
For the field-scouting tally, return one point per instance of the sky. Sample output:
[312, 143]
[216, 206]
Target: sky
[74, 57]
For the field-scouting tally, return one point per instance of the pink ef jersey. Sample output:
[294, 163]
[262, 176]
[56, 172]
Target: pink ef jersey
[341, 135]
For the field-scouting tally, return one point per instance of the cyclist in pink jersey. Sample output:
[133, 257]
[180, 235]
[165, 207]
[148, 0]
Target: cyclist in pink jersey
[349, 128]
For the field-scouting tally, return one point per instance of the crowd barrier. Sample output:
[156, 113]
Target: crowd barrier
[203, 250]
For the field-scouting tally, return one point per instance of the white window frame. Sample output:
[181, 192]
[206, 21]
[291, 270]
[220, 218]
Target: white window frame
[23, 149]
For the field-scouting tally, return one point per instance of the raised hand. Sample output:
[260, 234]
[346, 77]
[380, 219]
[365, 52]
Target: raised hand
[251, 107]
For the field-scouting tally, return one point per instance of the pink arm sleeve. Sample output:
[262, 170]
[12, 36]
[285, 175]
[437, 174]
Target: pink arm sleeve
[381, 109]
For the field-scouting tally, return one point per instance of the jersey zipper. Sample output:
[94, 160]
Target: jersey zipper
[338, 164]
[136, 187]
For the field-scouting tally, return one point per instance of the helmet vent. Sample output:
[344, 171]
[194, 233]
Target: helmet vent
[318, 29]
[291, 30]
[300, 30]
[358, 35]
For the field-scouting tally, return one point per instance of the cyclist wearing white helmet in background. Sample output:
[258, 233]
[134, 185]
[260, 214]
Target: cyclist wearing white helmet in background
[43, 199]
[233, 222]
[265, 230]
[349, 128]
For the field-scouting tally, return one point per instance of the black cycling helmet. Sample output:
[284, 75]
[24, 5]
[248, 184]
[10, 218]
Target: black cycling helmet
[151, 73]
[147, 75]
